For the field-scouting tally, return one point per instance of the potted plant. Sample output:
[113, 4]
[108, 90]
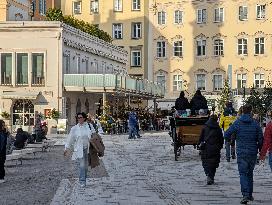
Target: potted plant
[5, 115]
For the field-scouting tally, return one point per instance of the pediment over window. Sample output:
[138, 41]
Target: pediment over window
[161, 72]
[178, 71]
[241, 70]
[218, 70]
[201, 70]
[177, 37]
[201, 36]
[242, 35]
[218, 36]
[160, 38]
[259, 33]
[260, 69]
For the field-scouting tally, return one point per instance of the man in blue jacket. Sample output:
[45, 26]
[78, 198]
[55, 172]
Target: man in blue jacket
[249, 138]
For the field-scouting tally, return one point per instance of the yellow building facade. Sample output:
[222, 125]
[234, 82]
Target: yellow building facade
[188, 45]
[125, 20]
[198, 44]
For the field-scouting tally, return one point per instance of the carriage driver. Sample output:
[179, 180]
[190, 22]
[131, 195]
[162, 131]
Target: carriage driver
[182, 102]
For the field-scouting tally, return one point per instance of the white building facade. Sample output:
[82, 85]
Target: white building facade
[50, 65]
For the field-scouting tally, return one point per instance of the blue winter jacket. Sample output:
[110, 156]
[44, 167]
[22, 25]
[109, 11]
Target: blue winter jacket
[249, 136]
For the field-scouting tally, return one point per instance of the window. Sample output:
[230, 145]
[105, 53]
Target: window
[201, 15]
[78, 64]
[219, 15]
[87, 66]
[118, 5]
[161, 49]
[161, 79]
[95, 65]
[200, 81]
[66, 61]
[259, 45]
[178, 17]
[260, 11]
[42, 7]
[242, 46]
[136, 58]
[161, 18]
[241, 80]
[38, 69]
[77, 7]
[243, 13]
[178, 48]
[22, 69]
[6, 68]
[177, 83]
[95, 6]
[201, 47]
[259, 80]
[136, 30]
[217, 82]
[136, 5]
[117, 31]
[218, 47]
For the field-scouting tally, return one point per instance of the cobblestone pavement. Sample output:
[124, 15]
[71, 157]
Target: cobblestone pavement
[144, 172]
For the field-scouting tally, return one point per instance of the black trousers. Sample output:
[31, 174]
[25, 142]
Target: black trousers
[210, 171]
[2, 168]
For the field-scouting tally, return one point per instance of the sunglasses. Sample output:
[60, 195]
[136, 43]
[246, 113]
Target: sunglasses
[79, 117]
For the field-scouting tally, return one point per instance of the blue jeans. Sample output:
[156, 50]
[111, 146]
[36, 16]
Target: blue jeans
[246, 166]
[270, 160]
[230, 150]
[132, 131]
[83, 167]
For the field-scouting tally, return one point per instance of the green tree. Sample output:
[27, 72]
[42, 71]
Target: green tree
[267, 96]
[57, 15]
[256, 101]
[225, 96]
[54, 14]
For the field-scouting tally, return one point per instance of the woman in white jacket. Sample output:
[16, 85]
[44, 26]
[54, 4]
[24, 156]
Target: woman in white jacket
[78, 142]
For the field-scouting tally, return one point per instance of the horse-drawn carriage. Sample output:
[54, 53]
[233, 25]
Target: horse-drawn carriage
[186, 130]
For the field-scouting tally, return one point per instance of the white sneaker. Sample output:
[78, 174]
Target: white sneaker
[2, 181]
[82, 185]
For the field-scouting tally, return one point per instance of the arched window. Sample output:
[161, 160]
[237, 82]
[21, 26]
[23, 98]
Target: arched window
[23, 113]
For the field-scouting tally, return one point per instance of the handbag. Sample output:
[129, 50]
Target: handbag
[202, 145]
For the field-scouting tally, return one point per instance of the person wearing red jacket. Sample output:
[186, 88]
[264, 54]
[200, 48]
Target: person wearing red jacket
[267, 144]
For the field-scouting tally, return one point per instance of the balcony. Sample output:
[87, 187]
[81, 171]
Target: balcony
[112, 83]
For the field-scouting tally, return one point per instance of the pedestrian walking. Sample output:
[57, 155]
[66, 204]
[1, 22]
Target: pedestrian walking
[3, 143]
[211, 141]
[226, 119]
[267, 144]
[78, 142]
[249, 139]
[132, 125]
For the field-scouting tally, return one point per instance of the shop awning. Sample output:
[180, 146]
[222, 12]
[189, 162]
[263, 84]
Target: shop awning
[19, 95]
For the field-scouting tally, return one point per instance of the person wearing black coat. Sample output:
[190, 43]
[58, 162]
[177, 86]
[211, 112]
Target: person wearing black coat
[3, 143]
[182, 103]
[212, 138]
[198, 102]
[21, 138]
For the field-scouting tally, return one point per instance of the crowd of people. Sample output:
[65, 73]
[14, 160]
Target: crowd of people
[243, 138]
